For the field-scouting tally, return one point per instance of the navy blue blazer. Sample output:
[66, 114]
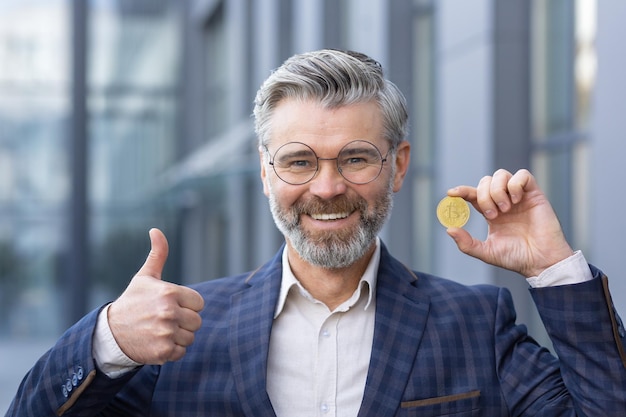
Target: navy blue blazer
[440, 348]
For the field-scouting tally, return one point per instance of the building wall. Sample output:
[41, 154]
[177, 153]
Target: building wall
[608, 152]
[463, 143]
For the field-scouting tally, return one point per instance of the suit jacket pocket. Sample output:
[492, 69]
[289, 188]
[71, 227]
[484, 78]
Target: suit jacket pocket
[457, 405]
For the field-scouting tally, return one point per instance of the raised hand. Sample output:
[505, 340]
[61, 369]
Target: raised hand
[524, 233]
[154, 321]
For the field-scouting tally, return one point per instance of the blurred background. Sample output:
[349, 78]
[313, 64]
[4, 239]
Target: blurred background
[119, 116]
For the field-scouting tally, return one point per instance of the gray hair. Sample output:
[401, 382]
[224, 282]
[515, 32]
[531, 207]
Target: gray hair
[334, 78]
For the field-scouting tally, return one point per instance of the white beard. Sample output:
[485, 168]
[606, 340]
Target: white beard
[332, 250]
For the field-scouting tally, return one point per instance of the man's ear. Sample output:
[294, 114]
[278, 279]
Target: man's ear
[402, 159]
[264, 178]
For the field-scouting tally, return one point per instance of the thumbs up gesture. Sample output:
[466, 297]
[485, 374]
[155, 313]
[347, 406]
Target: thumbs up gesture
[154, 321]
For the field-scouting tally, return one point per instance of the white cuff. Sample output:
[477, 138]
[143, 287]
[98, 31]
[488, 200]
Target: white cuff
[106, 352]
[572, 270]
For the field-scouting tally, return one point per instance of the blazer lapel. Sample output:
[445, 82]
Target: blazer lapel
[252, 315]
[401, 314]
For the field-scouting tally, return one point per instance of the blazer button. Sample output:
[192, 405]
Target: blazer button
[68, 385]
[80, 373]
[74, 380]
[64, 391]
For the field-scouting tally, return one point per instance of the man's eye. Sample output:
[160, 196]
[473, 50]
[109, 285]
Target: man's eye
[355, 161]
[296, 164]
[302, 163]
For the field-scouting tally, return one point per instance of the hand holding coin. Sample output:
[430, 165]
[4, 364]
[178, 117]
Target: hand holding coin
[453, 212]
[524, 234]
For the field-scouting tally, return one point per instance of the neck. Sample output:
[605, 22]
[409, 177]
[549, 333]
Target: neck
[330, 286]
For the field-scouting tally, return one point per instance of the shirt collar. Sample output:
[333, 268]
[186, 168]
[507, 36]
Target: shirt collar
[289, 280]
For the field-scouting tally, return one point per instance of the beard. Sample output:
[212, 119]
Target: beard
[337, 249]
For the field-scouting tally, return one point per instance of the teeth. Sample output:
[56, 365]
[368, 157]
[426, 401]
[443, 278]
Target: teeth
[331, 216]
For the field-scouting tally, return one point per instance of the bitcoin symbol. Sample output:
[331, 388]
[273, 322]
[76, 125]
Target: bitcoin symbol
[453, 212]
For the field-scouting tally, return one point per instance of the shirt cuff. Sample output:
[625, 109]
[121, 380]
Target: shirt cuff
[572, 270]
[106, 352]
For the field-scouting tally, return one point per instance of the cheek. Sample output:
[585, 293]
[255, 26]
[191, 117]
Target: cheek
[285, 195]
[375, 197]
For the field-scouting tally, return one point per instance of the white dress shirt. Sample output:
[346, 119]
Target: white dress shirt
[318, 359]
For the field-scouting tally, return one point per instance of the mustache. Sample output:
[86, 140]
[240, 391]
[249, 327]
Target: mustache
[339, 204]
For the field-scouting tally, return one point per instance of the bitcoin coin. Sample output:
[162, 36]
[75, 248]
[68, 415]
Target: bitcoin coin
[453, 212]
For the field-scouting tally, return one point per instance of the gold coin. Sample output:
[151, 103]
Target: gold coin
[453, 212]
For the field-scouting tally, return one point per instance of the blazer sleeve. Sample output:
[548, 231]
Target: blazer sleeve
[65, 380]
[588, 338]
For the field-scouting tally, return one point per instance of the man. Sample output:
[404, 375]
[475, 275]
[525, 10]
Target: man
[333, 324]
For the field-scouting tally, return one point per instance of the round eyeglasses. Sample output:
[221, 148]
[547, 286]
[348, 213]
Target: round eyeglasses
[359, 162]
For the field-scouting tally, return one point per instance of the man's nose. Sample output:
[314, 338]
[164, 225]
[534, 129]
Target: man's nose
[328, 181]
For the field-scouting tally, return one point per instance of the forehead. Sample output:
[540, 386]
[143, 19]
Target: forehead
[319, 127]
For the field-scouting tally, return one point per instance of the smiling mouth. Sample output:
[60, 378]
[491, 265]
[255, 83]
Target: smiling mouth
[330, 216]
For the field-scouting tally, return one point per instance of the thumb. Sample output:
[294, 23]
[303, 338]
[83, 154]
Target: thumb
[158, 255]
[463, 239]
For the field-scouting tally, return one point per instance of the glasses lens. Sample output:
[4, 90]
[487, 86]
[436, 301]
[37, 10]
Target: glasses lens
[360, 162]
[295, 163]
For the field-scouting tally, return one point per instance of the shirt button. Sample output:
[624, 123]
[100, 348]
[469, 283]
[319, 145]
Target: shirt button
[324, 408]
[325, 333]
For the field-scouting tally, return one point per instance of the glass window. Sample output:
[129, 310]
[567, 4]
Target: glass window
[216, 73]
[133, 91]
[35, 59]
[34, 183]
[563, 72]
[423, 134]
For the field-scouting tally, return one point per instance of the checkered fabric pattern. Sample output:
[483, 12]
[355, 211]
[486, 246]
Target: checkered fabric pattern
[440, 348]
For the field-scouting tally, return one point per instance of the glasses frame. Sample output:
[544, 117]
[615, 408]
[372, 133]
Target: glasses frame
[272, 158]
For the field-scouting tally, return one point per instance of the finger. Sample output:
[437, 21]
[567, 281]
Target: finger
[191, 299]
[177, 353]
[499, 191]
[189, 320]
[464, 241]
[519, 183]
[467, 193]
[184, 338]
[158, 255]
[484, 202]
[464, 191]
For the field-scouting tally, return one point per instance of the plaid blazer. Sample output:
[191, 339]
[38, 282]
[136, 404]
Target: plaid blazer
[440, 348]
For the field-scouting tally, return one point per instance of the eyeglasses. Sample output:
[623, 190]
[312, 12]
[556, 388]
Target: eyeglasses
[359, 162]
